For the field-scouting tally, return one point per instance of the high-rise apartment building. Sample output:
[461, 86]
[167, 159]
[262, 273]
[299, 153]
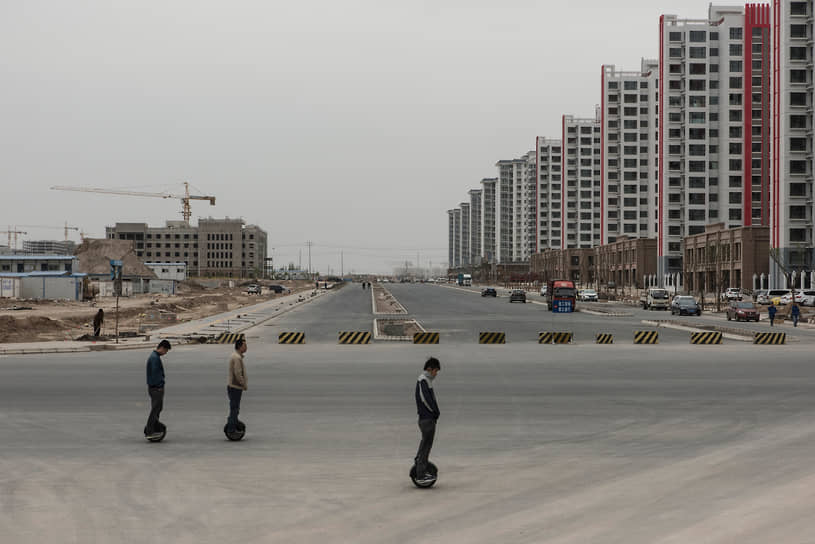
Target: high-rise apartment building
[488, 216]
[580, 183]
[791, 224]
[548, 168]
[464, 234]
[215, 247]
[714, 142]
[451, 240]
[475, 226]
[628, 148]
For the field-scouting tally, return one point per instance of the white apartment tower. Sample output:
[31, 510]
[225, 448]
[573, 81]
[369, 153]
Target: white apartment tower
[548, 168]
[475, 226]
[464, 234]
[512, 200]
[628, 147]
[714, 90]
[580, 206]
[488, 219]
[792, 234]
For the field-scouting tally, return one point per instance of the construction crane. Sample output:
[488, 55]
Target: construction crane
[185, 198]
[66, 228]
[15, 232]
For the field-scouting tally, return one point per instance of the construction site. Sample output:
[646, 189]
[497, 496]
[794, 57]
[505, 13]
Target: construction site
[52, 289]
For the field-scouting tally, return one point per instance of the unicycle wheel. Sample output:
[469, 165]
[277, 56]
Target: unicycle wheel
[432, 469]
[157, 436]
[240, 431]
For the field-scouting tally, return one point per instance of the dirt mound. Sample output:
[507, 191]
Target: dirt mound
[13, 329]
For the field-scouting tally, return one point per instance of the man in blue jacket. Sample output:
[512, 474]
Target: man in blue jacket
[155, 385]
[428, 410]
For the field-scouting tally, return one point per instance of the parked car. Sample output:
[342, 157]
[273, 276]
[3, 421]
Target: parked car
[254, 289]
[800, 297]
[760, 297]
[808, 298]
[277, 288]
[685, 305]
[587, 295]
[543, 290]
[732, 293]
[489, 292]
[742, 311]
[517, 295]
[774, 295]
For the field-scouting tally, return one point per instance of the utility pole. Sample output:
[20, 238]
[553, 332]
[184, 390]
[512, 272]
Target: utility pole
[309, 256]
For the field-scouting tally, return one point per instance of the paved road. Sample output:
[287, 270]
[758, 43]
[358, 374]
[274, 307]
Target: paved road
[565, 444]
[461, 314]
[348, 309]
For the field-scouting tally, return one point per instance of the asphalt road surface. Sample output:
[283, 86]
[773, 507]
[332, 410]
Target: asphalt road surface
[580, 443]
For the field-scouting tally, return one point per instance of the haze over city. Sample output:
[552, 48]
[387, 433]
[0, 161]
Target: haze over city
[354, 125]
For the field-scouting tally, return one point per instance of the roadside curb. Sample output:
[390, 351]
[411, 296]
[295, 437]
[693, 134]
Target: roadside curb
[742, 335]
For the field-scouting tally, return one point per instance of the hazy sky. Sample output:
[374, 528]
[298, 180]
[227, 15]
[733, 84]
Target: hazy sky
[353, 124]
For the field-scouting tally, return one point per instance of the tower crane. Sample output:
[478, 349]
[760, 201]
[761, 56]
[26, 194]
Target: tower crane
[186, 213]
[66, 228]
[15, 232]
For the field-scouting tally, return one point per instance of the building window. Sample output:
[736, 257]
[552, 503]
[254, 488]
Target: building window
[697, 36]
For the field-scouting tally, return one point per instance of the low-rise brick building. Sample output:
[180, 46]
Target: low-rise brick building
[576, 264]
[626, 261]
[720, 258]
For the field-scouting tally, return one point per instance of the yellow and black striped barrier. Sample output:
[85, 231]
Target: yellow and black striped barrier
[605, 338]
[770, 338]
[705, 338]
[291, 338]
[555, 338]
[228, 337]
[492, 338]
[426, 338]
[355, 337]
[646, 337]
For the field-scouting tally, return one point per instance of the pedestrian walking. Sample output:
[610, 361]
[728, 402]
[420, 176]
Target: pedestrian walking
[98, 321]
[795, 312]
[771, 310]
[155, 386]
[428, 410]
[236, 384]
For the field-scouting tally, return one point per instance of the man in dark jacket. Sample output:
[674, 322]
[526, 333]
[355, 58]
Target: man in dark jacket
[428, 410]
[771, 310]
[795, 313]
[98, 320]
[155, 385]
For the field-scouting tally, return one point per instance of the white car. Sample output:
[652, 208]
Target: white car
[732, 293]
[588, 295]
[800, 297]
[808, 298]
[543, 290]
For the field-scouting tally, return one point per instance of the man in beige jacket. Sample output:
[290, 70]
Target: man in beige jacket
[236, 384]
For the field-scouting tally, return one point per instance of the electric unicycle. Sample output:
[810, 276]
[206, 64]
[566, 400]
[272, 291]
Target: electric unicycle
[431, 469]
[240, 430]
[157, 436]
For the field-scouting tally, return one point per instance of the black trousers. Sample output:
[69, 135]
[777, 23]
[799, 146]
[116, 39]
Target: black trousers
[97, 329]
[428, 429]
[234, 407]
[156, 405]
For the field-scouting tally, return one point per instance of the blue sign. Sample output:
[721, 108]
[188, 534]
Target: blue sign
[562, 306]
[115, 269]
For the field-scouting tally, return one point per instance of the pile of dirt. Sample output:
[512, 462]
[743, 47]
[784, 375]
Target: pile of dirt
[16, 329]
[94, 258]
